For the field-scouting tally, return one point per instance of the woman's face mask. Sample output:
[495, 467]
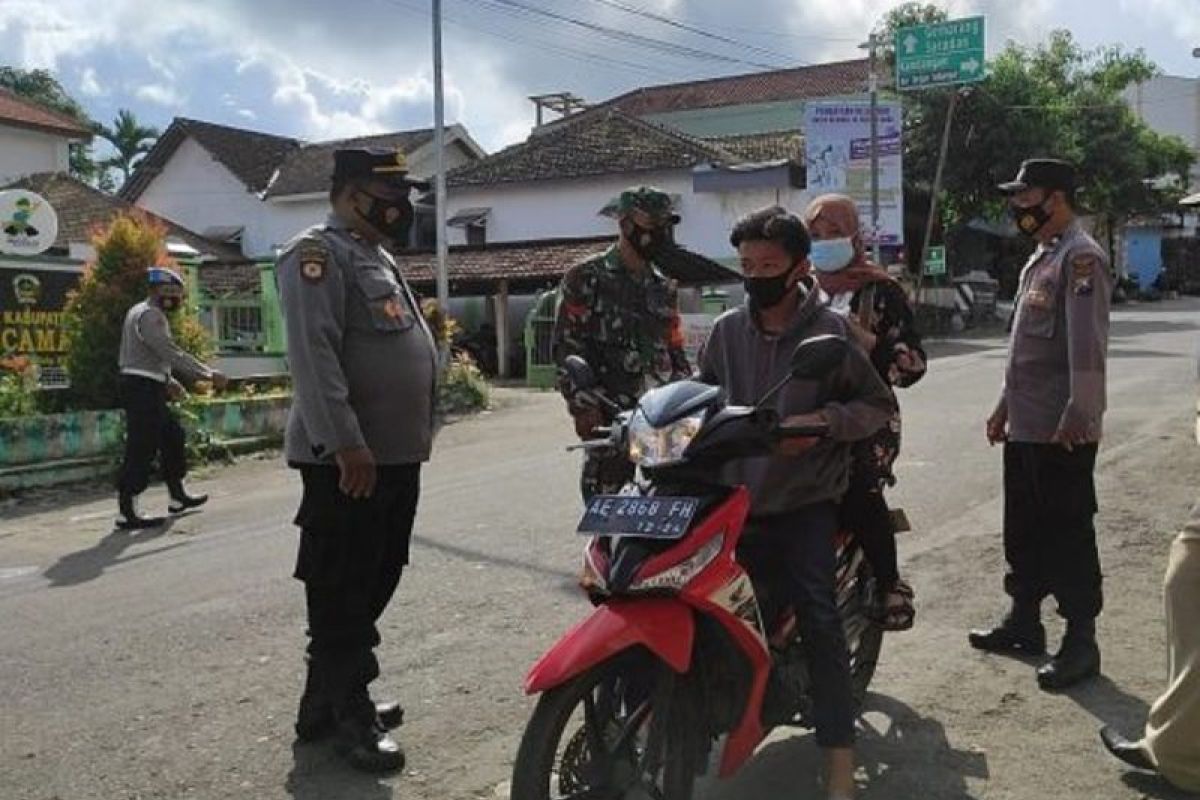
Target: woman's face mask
[831, 255]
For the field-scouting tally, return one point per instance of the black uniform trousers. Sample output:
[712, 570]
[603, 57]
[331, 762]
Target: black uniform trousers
[351, 556]
[150, 429]
[794, 554]
[1049, 538]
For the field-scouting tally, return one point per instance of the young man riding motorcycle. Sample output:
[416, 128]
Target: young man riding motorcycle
[794, 493]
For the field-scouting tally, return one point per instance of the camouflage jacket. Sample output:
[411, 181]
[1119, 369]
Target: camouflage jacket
[626, 326]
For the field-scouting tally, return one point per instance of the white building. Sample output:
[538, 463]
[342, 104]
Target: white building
[1170, 105]
[257, 190]
[35, 139]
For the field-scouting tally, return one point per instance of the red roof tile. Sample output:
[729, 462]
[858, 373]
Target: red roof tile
[23, 113]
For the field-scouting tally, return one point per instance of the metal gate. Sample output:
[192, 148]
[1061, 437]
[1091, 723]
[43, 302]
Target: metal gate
[540, 369]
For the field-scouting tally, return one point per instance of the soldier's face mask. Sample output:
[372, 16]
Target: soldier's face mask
[1032, 218]
[646, 242]
[391, 216]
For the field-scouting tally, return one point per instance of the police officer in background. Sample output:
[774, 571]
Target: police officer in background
[1049, 418]
[363, 365]
[618, 312]
[147, 360]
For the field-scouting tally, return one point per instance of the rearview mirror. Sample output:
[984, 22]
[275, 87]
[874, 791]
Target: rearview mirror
[817, 356]
[579, 373]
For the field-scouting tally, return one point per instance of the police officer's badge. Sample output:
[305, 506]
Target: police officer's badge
[1083, 270]
[313, 260]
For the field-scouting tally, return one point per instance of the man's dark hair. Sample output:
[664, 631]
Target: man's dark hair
[774, 224]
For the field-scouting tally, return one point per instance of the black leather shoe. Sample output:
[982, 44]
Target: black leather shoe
[1132, 753]
[181, 500]
[365, 747]
[1076, 661]
[1028, 638]
[315, 721]
[131, 518]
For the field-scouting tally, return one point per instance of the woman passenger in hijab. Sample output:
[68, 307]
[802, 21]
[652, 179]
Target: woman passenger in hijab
[881, 318]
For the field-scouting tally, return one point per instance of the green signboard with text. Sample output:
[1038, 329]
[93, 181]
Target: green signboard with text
[941, 54]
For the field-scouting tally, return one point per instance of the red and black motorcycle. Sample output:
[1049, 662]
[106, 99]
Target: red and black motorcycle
[683, 651]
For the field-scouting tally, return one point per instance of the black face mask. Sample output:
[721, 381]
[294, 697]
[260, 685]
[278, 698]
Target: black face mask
[168, 303]
[1031, 219]
[392, 218]
[647, 242]
[769, 292]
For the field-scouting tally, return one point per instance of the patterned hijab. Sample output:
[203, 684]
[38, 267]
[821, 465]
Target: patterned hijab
[840, 211]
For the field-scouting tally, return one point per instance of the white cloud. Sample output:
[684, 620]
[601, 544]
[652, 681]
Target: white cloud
[89, 84]
[160, 94]
[247, 113]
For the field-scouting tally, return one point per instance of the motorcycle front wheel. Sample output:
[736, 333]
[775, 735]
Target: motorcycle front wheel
[620, 731]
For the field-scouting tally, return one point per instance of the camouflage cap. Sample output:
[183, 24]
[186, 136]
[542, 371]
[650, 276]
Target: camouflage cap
[647, 199]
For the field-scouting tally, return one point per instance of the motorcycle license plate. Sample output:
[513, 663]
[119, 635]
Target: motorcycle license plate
[646, 517]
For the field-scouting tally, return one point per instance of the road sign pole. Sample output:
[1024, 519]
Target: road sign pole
[875, 249]
[937, 190]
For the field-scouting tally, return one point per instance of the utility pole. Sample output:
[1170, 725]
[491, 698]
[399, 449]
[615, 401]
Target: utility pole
[937, 190]
[873, 44]
[439, 143]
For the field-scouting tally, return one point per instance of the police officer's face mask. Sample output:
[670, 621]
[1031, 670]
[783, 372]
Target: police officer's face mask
[169, 302]
[392, 217]
[646, 242]
[1031, 219]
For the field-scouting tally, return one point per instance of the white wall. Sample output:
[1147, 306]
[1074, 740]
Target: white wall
[1170, 105]
[24, 152]
[561, 209]
[196, 191]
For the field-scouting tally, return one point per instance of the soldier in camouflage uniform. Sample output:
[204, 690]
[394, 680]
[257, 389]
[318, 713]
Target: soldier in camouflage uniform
[618, 312]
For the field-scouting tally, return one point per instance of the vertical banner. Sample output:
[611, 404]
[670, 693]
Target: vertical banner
[837, 145]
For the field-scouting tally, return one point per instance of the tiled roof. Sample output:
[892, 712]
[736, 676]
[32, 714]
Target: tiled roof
[590, 145]
[761, 147]
[307, 169]
[20, 112]
[799, 83]
[251, 156]
[81, 209]
[537, 264]
[230, 280]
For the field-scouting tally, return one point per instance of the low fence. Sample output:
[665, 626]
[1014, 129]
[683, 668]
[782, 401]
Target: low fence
[51, 449]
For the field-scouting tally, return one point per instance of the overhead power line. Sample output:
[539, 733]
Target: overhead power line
[661, 46]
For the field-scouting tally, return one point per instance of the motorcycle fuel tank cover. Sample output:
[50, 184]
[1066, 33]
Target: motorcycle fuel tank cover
[675, 401]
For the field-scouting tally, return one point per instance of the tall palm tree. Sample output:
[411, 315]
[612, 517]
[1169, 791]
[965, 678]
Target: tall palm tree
[129, 138]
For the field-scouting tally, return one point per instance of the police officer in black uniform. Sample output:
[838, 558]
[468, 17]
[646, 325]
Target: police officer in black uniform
[1050, 419]
[363, 366]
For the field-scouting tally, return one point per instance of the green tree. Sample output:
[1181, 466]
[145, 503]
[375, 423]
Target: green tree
[111, 284]
[1054, 99]
[129, 138]
[40, 86]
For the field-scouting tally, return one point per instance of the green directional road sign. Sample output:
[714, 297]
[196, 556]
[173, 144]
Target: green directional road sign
[935, 261]
[943, 54]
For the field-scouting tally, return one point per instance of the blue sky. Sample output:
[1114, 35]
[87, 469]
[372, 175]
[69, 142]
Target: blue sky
[317, 69]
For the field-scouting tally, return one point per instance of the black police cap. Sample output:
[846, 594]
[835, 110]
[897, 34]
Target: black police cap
[364, 163]
[1050, 174]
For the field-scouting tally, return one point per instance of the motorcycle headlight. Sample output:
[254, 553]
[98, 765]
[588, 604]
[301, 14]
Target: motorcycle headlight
[680, 575]
[656, 447]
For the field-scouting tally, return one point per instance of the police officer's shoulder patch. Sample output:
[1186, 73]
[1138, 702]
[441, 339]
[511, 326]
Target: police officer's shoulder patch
[1084, 267]
[312, 254]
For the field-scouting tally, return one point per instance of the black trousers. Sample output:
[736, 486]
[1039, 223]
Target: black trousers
[1049, 538]
[150, 429]
[351, 556]
[864, 511]
[794, 553]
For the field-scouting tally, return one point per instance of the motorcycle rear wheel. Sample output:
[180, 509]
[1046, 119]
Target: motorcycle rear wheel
[648, 754]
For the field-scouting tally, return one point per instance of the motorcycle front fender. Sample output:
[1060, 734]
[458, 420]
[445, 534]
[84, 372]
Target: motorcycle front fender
[664, 626]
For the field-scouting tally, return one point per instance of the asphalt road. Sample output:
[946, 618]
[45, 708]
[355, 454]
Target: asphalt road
[167, 665]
